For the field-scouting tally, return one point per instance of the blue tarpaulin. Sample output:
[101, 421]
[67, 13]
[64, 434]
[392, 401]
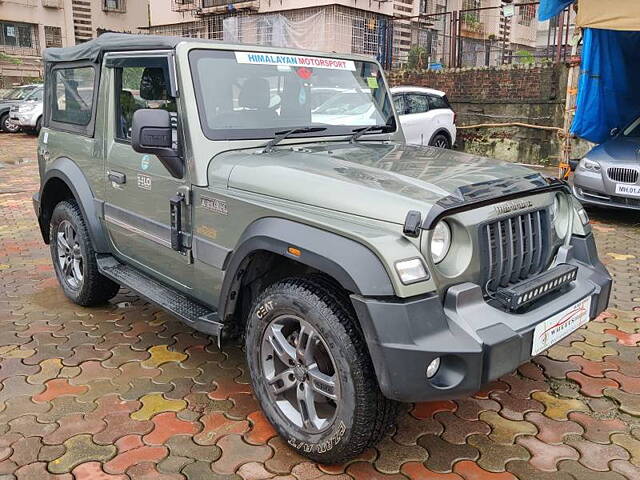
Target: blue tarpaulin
[550, 8]
[608, 95]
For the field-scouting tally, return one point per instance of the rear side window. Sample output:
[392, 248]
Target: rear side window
[73, 95]
[436, 102]
[417, 103]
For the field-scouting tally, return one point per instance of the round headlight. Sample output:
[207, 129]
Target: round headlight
[440, 242]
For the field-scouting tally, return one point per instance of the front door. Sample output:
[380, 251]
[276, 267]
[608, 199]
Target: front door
[138, 187]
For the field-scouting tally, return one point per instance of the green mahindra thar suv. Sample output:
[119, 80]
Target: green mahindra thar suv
[267, 195]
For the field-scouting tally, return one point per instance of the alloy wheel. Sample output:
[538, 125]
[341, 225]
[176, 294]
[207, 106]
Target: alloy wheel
[441, 142]
[10, 127]
[70, 258]
[300, 372]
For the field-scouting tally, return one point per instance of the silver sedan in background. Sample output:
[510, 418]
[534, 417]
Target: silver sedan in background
[609, 175]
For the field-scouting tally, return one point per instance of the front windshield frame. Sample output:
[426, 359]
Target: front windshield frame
[633, 130]
[267, 133]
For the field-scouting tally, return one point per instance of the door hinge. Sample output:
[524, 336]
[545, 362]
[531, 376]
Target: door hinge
[180, 240]
[175, 204]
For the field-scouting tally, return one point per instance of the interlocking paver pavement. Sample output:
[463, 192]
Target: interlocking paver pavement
[125, 391]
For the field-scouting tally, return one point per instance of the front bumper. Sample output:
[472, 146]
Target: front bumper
[597, 198]
[27, 120]
[476, 342]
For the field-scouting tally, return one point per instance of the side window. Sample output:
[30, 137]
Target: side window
[417, 103]
[73, 95]
[398, 102]
[141, 83]
[437, 102]
[36, 95]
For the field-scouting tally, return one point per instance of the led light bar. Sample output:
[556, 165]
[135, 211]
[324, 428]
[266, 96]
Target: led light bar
[528, 291]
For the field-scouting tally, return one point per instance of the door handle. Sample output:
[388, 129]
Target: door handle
[117, 177]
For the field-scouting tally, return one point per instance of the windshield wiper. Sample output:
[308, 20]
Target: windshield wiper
[287, 133]
[358, 132]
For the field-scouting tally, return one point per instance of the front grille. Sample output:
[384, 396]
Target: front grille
[514, 249]
[623, 175]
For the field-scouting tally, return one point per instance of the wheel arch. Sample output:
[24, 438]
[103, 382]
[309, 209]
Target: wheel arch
[65, 180]
[444, 132]
[350, 264]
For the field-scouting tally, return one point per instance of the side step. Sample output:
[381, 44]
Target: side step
[195, 315]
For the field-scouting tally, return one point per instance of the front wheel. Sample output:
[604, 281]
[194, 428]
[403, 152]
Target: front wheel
[74, 259]
[6, 125]
[312, 374]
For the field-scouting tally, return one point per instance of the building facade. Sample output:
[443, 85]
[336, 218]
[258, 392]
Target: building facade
[27, 27]
[475, 33]
[344, 26]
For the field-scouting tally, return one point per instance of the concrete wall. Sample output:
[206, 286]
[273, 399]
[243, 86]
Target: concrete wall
[136, 16]
[526, 94]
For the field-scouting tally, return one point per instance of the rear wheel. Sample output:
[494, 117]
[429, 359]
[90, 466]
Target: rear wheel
[6, 125]
[74, 259]
[441, 141]
[312, 374]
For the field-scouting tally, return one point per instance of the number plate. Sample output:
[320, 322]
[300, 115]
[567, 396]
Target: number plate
[630, 190]
[554, 329]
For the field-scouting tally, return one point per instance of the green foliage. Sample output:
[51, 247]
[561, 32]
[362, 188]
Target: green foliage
[9, 59]
[525, 57]
[418, 58]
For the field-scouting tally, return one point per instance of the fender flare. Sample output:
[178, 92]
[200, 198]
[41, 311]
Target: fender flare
[439, 131]
[67, 170]
[351, 264]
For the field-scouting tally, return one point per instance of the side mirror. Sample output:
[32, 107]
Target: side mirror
[614, 132]
[151, 133]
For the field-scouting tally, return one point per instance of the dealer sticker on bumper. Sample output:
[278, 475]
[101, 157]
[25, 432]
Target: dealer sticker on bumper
[631, 190]
[554, 329]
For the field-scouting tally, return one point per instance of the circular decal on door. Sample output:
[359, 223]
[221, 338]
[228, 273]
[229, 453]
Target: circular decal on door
[145, 162]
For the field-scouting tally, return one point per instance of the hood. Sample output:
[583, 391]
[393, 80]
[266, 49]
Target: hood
[620, 149]
[378, 181]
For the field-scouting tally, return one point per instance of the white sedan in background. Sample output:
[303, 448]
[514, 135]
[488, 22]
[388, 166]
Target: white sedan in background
[426, 116]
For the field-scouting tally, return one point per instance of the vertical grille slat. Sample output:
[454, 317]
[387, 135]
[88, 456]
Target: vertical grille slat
[519, 252]
[537, 232]
[516, 248]
[623, 175]
[499, 255]
[528, 256]
[509, 253]
[492, 257]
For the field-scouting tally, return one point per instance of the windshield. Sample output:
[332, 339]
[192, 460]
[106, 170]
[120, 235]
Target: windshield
[19, 93]
[246, 95]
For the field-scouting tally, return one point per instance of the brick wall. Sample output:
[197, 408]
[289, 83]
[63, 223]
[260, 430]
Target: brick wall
[517, 83]
[530, 94]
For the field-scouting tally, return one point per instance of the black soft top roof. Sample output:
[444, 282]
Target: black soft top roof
[107, 42]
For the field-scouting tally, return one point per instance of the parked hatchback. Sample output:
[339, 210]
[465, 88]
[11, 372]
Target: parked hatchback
[426, 116]
[609, 175]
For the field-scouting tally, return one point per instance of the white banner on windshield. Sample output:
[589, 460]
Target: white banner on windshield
[282, 60]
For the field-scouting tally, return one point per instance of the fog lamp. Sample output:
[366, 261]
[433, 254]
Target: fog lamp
[433, 367]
